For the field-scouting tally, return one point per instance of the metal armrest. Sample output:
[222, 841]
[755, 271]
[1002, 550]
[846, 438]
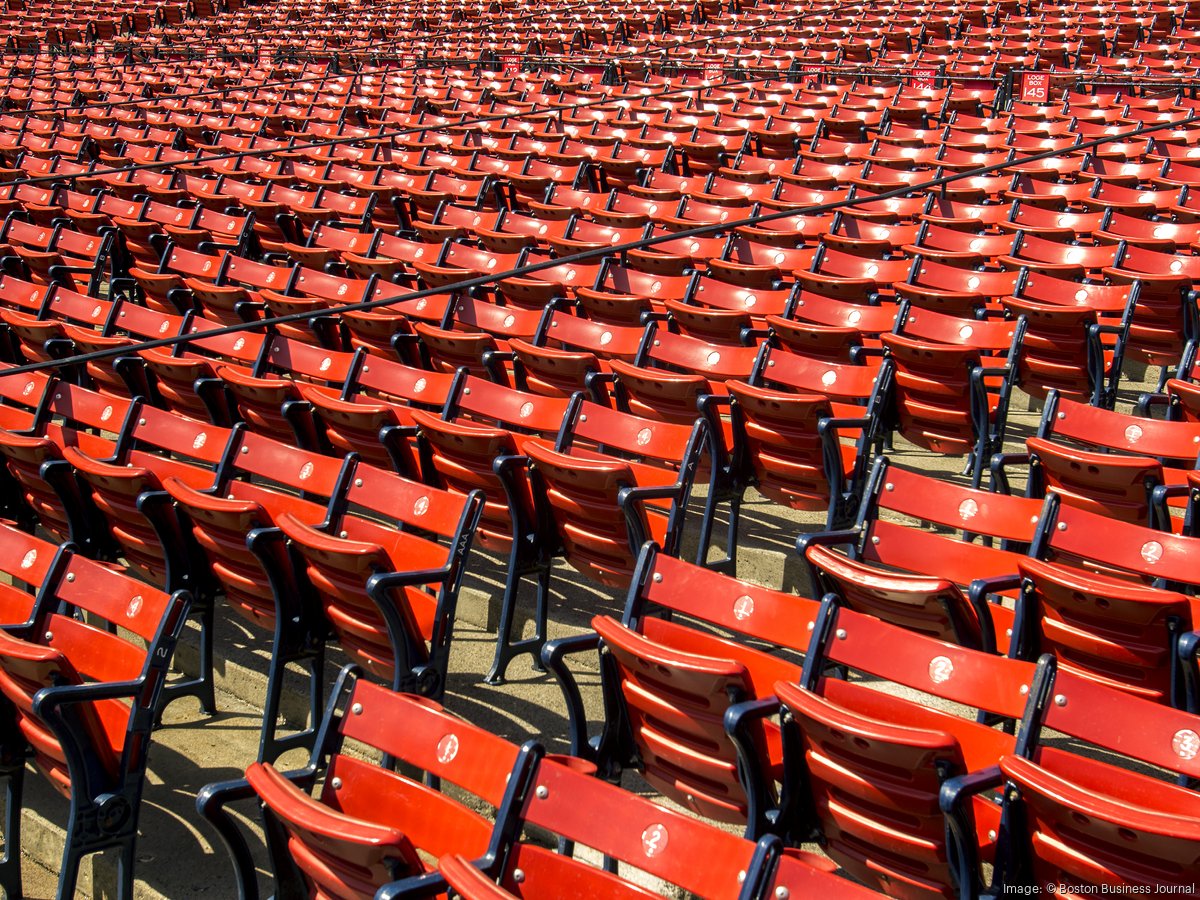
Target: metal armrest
[738, 718]
[554, 654]
[1001, 461]
[960, 832]
[828, 539]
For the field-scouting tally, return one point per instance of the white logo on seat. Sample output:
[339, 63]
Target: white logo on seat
[1152, 551]
[1133, 433]
[106, 414]
[135, 606]
[654, 840]
[199, 440]
[29, 559]
[941, 669]
[643, 436]
[1185, 743]
[447, 748]
[743, 608]
[968, 509]
[306, 471]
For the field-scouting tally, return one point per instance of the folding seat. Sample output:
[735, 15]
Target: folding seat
[1111, 613]
[310, 292]
[510, 231]
[268, 397]
[327, 241]
[1164, 315]
[551, 280]
[624, 294]
[567, 350]
[184, 377]
[1162, 236]
[67, 415]
[234, 296]
[1051, 223]
[365, 825]
[71, 258]
[458, 261]
[472, 330]
[869, 766]
[852, 278]
[85, 696]
[952, 289]
[392, 258]
[479, 442]
[875, 573]
[1113, 464]
[1089, 813]
[369, 415]
[944, 399]
[788, 420]
[1061, 350]
[868, 239]
[954, 246]
[169, 289]
[963, 215]
[403, 545]
[234, 522]
[661, 846]
[753, 304]
[754, 264]
[605, 503]
[1134, 200]
[668, 686]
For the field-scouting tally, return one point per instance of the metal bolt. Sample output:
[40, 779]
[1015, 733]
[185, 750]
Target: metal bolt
[1062, 526]
[245, 449]
[466, 390]
[70, 576]
[358, 482]
[141, 421]
[583, 418]
[49, 635]
[336, 783]
[1024, 689]
[356, 709]
[741, 876]
[991, 834]
[1060, 699]
[343, 534]
[658, 578]
[782, 893]
[542, 792]
[518, 875]
[841, 634]
[874, 539]
[889, 487]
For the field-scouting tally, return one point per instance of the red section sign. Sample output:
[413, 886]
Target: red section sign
[713, 71]
[510, 66]
[924, 79]
[1035, 86]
